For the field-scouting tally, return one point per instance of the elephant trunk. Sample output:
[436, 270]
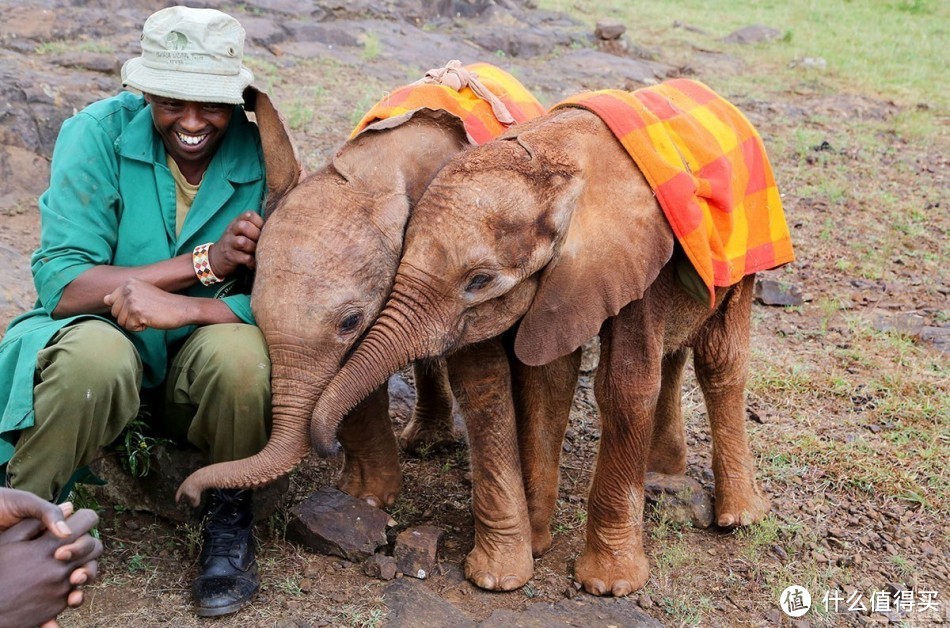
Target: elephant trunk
[392, 343]
[285, 448]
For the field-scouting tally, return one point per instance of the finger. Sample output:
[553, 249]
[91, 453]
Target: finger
[67, 509]
[82, 522]
[84, 574]
[23, 531]
[249, 230]
[26, 505]
[245, 244]
[254, 218]
[80, 549]
[75, 598]
[50, 624]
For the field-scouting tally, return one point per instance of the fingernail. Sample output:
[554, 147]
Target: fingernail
[63, 528]
[81, 579]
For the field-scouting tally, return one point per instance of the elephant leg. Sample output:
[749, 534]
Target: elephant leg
[543, 397]
[481, 380]
[431, 425]
[371, 468]
[627, 387]
[721, 360]
[668, 445]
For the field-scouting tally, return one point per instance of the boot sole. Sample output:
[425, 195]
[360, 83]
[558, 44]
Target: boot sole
[224, 610]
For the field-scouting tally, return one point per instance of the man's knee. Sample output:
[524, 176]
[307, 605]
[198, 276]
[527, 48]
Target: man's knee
[233, 356]
[90, 356]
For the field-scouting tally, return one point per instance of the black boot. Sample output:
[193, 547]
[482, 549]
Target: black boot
[228, 578]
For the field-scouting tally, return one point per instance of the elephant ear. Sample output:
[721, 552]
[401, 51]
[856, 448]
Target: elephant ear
[616, 243]
[281, 161]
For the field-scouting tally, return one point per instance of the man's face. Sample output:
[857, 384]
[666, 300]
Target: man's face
[191, 131]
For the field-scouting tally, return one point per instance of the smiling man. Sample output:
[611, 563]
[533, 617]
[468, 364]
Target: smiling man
[149, 230]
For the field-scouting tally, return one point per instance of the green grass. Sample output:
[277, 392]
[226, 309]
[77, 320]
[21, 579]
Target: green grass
[371, 46]
[894, 49]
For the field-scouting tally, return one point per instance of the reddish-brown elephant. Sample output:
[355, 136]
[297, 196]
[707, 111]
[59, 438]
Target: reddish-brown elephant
[552, 233]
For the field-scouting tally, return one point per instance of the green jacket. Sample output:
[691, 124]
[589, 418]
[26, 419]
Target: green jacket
[111, 200]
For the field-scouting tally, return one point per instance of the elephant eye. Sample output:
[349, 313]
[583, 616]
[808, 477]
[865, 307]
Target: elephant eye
[350, 322]
[478, 282]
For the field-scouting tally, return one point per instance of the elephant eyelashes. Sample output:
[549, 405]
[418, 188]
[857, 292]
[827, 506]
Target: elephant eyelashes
[478, 282]
[350, 323]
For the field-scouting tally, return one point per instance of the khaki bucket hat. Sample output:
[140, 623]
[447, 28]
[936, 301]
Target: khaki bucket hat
[190, 54]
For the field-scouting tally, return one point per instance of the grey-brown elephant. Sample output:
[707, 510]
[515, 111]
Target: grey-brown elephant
[325, 264]
[551, 231]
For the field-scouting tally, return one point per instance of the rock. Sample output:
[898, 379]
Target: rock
[937, 337]
[155, 492]
[609, 30]
[904, 323]
[380, 566]
[755, 34]
[811, 63]
[411, 604]
[772, 292]
[332, 522]
[416, 550]
[646, 602]
[579, 611]
[681, 498]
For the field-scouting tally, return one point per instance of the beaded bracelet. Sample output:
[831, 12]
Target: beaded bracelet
[203, 265]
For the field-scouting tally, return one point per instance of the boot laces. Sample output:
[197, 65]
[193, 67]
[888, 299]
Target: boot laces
[227, 524]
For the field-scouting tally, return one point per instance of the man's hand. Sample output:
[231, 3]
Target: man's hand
[41, 568]
[237, 246]
[137, 305]
[15, 506]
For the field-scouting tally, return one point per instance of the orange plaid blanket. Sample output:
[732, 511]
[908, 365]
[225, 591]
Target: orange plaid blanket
[709, 171]
[483, 121]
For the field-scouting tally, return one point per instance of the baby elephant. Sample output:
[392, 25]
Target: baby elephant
[601, 217]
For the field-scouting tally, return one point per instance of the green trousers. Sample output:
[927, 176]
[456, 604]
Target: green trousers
[216, 396]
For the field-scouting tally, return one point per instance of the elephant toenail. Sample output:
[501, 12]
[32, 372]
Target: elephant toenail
[622, 588]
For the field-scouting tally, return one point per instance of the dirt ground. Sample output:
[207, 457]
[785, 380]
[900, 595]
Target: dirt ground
[848, 391]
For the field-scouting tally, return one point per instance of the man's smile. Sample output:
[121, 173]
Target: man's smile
[191, 140]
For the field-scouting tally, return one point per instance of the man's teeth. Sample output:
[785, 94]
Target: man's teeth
[191, 140]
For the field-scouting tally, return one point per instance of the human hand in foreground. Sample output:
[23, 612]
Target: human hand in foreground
[43, 558]
[237, 245]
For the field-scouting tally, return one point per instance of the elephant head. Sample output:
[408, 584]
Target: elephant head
[550, 225]
[325, 263]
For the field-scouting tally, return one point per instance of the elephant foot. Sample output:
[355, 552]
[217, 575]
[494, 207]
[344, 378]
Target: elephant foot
[541, 542]
[506, 568]
[378, 486]
[424, 434]
[743, 507]
[619, 572]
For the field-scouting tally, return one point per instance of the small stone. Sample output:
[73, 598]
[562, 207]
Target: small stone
[380, 566]
[608, 30]
[646, 602]
[416, 550]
